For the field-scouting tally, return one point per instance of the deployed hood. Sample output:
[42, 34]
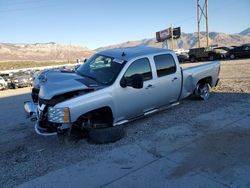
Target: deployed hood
[57, 83]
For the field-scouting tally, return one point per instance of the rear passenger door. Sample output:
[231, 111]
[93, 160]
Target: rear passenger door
[168, 81]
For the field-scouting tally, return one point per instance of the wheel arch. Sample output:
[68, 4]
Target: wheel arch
[104, 113]
[206, 80]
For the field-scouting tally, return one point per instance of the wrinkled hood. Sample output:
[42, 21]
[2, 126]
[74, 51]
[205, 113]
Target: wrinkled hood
[47, 76]
[58, 83]
[49, 90]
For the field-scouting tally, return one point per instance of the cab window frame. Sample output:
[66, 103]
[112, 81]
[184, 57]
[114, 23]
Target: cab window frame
[148, 63]
[158, 74]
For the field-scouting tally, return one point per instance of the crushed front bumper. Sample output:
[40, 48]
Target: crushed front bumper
[31, 111]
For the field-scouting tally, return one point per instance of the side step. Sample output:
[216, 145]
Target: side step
[146, 114]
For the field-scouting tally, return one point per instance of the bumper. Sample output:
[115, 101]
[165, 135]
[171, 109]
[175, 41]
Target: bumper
[31, 111]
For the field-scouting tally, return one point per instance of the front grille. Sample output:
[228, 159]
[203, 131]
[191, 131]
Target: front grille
[43, 119]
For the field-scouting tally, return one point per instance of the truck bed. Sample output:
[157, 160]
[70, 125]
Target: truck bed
[193, 74]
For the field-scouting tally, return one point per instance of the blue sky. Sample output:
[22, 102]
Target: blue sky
[96, 23]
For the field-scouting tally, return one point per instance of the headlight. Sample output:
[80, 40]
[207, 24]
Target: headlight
[16, 81]
[58, 115]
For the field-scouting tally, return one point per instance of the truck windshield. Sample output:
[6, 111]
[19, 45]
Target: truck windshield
[102, 69]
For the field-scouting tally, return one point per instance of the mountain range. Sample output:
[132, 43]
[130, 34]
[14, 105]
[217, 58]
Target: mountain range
[60, 52]
[42, 52]
[189, 40]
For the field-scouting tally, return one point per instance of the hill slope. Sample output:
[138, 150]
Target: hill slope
[245, 32]
[189, 40]
[42, 52]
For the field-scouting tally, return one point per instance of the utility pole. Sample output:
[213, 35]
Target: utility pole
[207, 23]
[198, 21]
[201, 13]
[172, 36]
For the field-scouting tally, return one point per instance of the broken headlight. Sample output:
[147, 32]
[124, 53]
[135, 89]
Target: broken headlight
[58, 115]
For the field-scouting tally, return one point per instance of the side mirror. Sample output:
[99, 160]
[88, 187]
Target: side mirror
[84, 61]
[135, 81]
[123, 82]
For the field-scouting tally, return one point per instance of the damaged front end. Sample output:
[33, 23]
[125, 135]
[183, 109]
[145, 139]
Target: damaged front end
[47, 124]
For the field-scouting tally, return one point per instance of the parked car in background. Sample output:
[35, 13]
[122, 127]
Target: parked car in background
[222, 51]
[21, 79]
[3, 84]
[183, 57]
[226, 48]
[242, 51]
[204, 53]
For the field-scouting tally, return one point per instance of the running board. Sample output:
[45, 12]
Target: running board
[146, 114]
[121, 122]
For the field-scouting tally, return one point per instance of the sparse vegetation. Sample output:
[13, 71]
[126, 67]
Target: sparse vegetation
[29, 64]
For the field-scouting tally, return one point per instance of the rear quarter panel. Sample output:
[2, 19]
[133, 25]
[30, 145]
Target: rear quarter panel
[192, 75]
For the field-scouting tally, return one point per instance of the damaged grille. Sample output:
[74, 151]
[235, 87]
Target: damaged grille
[43, 117]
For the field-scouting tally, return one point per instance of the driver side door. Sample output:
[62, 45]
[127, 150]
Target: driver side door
[131, 102]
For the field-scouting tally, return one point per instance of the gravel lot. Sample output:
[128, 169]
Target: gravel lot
[25, 155]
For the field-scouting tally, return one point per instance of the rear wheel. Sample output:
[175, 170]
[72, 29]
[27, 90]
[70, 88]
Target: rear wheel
[192, 59]
[202, 91]
[13, 86]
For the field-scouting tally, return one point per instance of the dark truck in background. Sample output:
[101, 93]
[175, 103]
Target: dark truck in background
[205, 53]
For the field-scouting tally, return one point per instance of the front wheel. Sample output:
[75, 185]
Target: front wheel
[105, 135]
[202, 91]
[232, 56]
[211, 58]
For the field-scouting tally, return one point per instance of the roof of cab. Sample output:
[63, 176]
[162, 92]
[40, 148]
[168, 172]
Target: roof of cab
[131, 52]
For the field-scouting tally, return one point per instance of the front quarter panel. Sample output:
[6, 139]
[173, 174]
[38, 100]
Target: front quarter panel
[88, 102]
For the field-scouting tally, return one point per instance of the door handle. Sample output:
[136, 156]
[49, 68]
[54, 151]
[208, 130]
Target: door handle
[175, 78]
[149, 86]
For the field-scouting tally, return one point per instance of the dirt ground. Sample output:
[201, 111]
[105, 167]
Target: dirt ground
[25, 155]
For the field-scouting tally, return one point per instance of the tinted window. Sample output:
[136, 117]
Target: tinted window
[140, 66]
[165, 65]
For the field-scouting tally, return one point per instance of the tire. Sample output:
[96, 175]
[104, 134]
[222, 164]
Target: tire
[13, 86]
[202, 91]
[232, 56]
[211, 58]
[105, 135]
[192, 59]
[67, 138]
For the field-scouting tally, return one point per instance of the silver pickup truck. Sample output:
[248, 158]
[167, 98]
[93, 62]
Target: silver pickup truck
[112, 88]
